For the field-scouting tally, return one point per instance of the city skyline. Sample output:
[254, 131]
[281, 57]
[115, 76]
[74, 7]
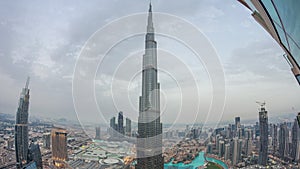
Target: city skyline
[249, 75]
[150, 84]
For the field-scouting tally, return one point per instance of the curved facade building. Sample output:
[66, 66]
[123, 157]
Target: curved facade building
[281, 20]
[21, 128]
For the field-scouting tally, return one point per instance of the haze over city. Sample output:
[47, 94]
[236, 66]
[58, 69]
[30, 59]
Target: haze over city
[43, 40]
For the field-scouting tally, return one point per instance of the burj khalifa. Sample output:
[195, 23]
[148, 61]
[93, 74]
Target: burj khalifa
[149, 141]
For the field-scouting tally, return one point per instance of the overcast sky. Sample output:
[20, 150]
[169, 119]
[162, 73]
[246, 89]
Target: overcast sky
[43, 40]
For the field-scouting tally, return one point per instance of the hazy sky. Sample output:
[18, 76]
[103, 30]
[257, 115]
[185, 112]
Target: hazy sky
[43, 40]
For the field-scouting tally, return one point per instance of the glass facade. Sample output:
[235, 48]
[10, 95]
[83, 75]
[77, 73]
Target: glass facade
[281, 19]
[285, 17]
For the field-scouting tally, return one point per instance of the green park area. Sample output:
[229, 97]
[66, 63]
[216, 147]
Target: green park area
[212, 165]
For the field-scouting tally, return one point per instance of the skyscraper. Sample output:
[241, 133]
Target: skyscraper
[98, 130]
[21, 128]
[236, 150]
[283, 141]
[149, 143]
[59, 147]
[227, 152]
[263, 130]
[295, 150]
[113, 127]
[120, 124]
[237, 122]
[128, 127]
[46, 140]
[221, 148]
[35, 155]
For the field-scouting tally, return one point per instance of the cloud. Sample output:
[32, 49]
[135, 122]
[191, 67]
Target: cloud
[44, 39]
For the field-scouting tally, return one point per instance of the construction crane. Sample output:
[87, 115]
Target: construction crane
[262, 104]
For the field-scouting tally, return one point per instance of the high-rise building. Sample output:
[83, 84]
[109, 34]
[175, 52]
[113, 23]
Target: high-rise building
[209, 149]
[46, 140]
[248, 142]
[21, 128]
[59, 147]
[113, 127]
[237, 122]
[275, 138]
[120, 124]
[35, 155]
[98, 132]
[221, 148]
[263, 130]
[279, 19]
[283, 141]
[295, 150]
[227, 151]
[128, 127]
[10, 144]
[236, 151]
[149, 141]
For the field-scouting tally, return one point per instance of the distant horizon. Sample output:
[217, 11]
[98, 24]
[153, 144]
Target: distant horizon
[272, 119]
[51, 46]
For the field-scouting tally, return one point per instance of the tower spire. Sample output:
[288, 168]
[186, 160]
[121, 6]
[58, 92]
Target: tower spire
[150, 27]
[27, 82]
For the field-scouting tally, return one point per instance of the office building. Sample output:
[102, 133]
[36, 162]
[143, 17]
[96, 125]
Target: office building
[275, 138]
[46, 140]
[149, 141]
[236, 153]
[98, 132]
[283, 141]
[35, 155]
[120, 127]
[59, 147]
[295, 149]
[128, 127]
[10, 144]
[21, 128]
[227, 152]
[221, 148]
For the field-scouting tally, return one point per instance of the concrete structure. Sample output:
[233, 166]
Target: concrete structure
[149, 141]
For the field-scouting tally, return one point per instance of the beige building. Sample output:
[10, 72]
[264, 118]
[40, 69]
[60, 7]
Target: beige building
[59, 147]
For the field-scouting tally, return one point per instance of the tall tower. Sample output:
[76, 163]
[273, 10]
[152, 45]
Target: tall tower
[21, 128]
[120, 124]
[149, 143]
[263, 130]
[295, 149]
